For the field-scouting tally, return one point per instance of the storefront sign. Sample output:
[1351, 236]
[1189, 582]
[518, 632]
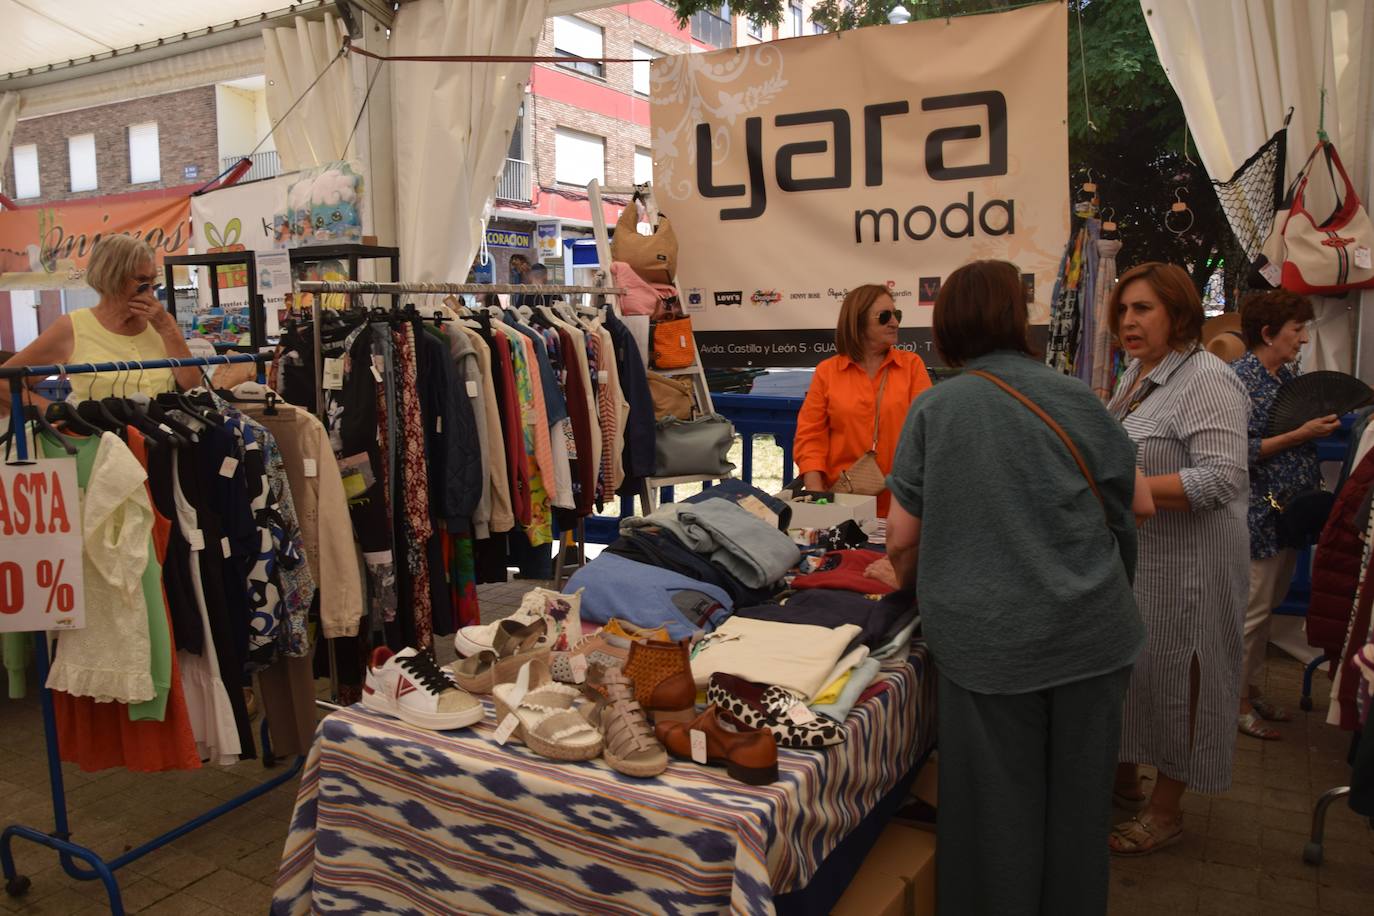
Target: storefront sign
[509, 238]
[794, 171]
[60, 237]
[550, 238]
[41, 582]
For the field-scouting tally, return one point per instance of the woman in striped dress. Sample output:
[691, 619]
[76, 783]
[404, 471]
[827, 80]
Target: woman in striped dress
[1186, 411]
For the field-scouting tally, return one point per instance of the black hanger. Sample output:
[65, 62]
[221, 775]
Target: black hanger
[64, 412]
[32, 414]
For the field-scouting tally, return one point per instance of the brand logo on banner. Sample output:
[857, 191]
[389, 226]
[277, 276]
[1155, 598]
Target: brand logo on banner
[41, 581]
[887, 155]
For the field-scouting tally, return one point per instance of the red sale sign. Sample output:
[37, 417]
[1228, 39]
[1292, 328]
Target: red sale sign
[40, 547]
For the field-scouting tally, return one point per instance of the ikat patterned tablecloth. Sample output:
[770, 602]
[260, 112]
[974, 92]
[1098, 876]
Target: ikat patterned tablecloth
[400, 820]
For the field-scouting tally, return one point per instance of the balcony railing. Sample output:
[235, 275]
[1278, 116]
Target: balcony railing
[515, 182]
[265, 165]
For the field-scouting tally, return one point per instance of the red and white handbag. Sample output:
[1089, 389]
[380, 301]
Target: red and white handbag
[1333, 257]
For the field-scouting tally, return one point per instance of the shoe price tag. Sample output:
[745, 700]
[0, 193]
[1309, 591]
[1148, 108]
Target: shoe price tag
[507, 726]
[800, 714]
[1362, 259]
[333, 373]
[312, 468]
[521, 687]
[228, 466]
[698, 745]
[578, 663]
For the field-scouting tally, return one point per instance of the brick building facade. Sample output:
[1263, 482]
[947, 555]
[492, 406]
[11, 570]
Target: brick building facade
[186, 139]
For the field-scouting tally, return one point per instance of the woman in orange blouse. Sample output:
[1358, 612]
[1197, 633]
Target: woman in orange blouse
[835, 426]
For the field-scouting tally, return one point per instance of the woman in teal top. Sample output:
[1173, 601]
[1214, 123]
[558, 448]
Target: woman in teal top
[1023, 578]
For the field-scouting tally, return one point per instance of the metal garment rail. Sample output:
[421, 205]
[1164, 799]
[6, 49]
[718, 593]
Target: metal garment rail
[59, 839]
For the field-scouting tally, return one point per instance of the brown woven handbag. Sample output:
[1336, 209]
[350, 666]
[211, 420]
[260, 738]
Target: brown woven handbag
[864, 477]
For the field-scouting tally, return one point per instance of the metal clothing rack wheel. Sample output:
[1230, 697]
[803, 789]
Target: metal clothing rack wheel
[59, 839]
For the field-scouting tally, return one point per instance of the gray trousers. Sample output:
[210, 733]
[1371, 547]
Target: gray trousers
[1026, 796]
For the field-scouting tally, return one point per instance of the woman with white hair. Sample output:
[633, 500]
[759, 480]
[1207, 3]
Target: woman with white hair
[128, 324]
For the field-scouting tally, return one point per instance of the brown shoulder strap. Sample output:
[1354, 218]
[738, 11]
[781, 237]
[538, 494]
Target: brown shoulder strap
[1049, 421]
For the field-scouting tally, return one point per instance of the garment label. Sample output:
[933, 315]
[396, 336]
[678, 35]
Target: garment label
[377, 366]
[225, 548]
[311, 467]
[800, 714]
[472, 389]
[1272, 273]
[1362, 260]
[698, 745]
[755, 507]
[578, 663]
[195, 538]
[228, 466]
[333, 373]
[506, 728]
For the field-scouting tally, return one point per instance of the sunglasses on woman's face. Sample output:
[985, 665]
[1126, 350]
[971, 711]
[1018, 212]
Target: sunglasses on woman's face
[887, 315]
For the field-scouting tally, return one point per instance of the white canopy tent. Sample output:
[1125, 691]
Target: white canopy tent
[1238, 66]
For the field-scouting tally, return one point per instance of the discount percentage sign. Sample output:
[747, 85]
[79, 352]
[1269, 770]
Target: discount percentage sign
[58, 591]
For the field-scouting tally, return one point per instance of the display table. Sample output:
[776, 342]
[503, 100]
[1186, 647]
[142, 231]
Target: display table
[391, 818]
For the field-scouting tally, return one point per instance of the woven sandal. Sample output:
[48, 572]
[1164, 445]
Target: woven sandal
[630, 745]
[547, 722]
[1140, 838]
[515, 644]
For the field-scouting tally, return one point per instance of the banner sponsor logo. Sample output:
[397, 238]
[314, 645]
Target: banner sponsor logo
[787, 172]
[730, 297]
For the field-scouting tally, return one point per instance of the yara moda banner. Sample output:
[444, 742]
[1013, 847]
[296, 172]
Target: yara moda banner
[795, 170]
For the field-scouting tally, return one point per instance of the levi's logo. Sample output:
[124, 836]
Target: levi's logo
[730, 297]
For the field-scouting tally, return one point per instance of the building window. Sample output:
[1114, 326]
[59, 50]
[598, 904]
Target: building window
[641, 71]
[145, 158]
[644, 165]
[796, 12]
[755, 29]
[26, 171]
[713, 28]
[817, 28]
[572, 37]
[578, 157]
[81, 162]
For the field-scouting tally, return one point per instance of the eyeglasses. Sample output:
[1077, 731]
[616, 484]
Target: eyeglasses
[886, 315]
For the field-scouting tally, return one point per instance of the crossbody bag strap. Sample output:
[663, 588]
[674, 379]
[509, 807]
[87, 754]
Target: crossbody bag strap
[878, 409]
[1049, 421]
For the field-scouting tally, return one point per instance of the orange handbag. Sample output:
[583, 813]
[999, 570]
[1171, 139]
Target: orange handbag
[674, 347]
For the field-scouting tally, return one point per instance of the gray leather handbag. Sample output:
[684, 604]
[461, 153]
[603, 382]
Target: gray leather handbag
[698, 446]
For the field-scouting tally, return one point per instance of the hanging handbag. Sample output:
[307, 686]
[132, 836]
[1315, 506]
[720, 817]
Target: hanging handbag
[864, 477]
[672, 396]
[1301, 517]
[1336, 256]
[653, 257]
[686, 448]
[674, 347]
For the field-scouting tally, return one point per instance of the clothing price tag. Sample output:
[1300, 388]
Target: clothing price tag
[377, 369]
[603, 376]
[682, 341]
[195, 539]
[800, 715]
[698, 745]
[311, 466]
[755, 507]
[225, 548]
[228, 466]
[438, 424]
[333, 373]
[507, 726]
[472, 389]
[578, 663]
[1362, 260]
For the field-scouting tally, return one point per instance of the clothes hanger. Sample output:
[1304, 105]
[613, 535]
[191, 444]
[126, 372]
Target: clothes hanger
[1179, 225]
[65, 412]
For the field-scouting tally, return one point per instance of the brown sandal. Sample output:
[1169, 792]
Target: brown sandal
[1138, 837]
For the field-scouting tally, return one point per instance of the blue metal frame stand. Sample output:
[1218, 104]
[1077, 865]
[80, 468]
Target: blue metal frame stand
[59, 839]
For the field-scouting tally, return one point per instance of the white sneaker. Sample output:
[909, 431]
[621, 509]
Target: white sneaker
[563, 611]
[482, 638]
[409, 685]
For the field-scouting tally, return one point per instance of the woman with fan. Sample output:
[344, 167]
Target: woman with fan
[1186, 412]
[1274, 327]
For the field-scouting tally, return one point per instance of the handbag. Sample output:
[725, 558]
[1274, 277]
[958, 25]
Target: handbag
[1333, 257]
[1058, 430]
[1302, 516]
[653, 257]
[672, 396]
[701, 446]
[674, 347]
[864, 477]
[657, 300]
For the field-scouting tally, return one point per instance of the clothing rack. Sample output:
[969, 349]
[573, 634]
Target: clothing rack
[59, 839]
[568, 539]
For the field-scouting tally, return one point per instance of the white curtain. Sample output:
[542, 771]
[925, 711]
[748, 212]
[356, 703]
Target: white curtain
[9, 116]
[453, 124]
[1239, 65]
[317, 130]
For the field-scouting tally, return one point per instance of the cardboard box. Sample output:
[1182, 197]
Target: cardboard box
[909, 854]
[927, 783]
[846, 506]
[874, 894]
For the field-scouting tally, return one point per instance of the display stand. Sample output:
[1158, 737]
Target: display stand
[701, 392]
[59, 838]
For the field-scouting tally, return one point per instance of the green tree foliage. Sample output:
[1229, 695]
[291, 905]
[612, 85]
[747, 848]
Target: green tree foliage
[1133, 142]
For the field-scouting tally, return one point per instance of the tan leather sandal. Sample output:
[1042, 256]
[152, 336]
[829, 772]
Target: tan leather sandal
[515, 644]
[1138, 837]
[630, 745]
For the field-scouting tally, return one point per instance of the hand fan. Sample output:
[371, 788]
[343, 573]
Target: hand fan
[1315, 394]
